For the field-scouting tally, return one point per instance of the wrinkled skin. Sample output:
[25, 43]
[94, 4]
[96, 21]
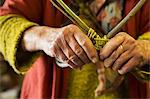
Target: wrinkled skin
[70, 45]
[122, 53]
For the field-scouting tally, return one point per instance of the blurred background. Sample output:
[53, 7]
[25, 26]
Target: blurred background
[1, 2]
[10, 82]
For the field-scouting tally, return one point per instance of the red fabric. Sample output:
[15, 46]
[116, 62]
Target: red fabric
[45, 79]
[38, 83]
[135, 27]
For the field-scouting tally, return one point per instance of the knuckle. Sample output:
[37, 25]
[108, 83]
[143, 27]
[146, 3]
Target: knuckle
[83, 42]
[79, 51]
[117, 63]
[58, 40]
[133, 45]
[68, 53]
[130, 40]
[65, 33]
[121, 34]
[107, 62]
[72, 26]
[92, 56]
[114, 55]
[139, 55]
[75, 46]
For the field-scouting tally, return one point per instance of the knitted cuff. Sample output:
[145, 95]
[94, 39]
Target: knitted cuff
[11, 30]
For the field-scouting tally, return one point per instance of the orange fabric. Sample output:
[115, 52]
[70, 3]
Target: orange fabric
[45, 79]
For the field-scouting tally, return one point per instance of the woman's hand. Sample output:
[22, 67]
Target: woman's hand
[67, 44]
[122, 53]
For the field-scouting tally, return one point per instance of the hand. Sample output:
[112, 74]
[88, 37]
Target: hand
[122, 53]
[68, 44]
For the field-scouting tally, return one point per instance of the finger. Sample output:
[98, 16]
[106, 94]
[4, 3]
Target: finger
[71, 64]
[68, 52]
[129, 66]
[111, 45]
[58, 53]
[126, 45]
[77, 49]
[87, 45]
[122, 60]
[109, 61]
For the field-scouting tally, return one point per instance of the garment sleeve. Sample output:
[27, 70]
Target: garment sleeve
[15, 17]
[11, 29]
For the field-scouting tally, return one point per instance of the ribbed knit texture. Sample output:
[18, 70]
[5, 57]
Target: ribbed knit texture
[11, 30]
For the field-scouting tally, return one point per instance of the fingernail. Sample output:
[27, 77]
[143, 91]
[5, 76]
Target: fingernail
[106, 64]
[94, 60]
[121, 72]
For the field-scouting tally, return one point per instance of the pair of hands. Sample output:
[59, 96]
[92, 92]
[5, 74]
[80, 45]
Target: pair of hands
[70, 45]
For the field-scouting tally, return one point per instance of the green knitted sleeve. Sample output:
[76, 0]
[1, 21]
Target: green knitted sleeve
[11, 30]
